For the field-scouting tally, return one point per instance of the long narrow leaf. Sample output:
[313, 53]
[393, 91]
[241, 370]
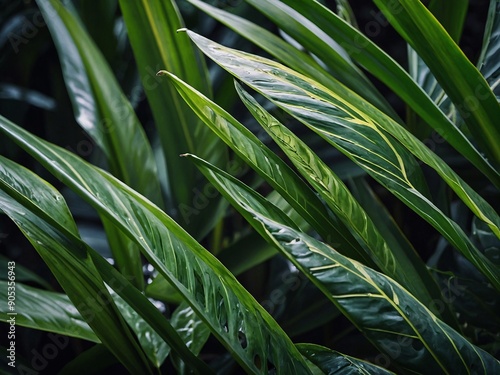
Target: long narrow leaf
[290, 55]
[268, 165]
[363, 134]
[398, 262]
[386, 313]
[47, 311]
[381, 65]
[210, 289]
[152, 27]
[34, 194]
[104, 112]
[335, 363]
[471, 93]
[71, 266]
[321, 45]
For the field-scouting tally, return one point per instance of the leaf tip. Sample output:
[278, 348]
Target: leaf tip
[162, 73]
[183, 29]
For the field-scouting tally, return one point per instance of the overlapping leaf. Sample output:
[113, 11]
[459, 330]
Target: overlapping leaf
[48, 210]
[471, 93]
[47, 311]
[398, 262]
[386, 313]
[334, 363]
[212, 291]
[364, 134]
[104, 112]
[276, 172]
[152, 27]
[69, 262]
[366, 53]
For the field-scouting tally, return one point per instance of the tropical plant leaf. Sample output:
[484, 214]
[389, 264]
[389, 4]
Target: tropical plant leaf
[317, 42]
[335, 363]
[100, 106]
[104, 112]
[69, 262]
[381, 65]
[47, 311]
[274, 170]
[364, 135]
[151, 342]
[488, 62]
[293, 57]
[386, 313]
[151, 27]
[210, 289]
[192, 330]
[397, 260]
[39, 198]
[471, 94]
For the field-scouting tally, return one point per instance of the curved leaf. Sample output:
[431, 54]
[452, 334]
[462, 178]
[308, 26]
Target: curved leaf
[288, 54]
[390, 317]
[363, 134]
[471, 93]
[151, 26]
[317, 42]
[70, 264]
[381, 65]
[50, 211]
[100, 106]
[210, 289]
[47, 311]
[268, 165]
[398, 262]
[104, 112]
[335, 363]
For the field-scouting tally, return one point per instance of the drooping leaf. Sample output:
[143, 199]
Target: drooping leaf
[152, 27]
[268, 165]
[364, 134]
[335, 363]
[398, 262]
[47, 208]
[381, 65]
[104, 112]
[471, 93]
[211, 290]
[69, 262]
[315, 40]
[46, 311]
[389, 316]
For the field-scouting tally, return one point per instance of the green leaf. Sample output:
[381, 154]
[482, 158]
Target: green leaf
[104, 112]
[46, 311]
[210, 289]
[364, 135]
[100, 106]
[68, 261]
[24, 274]
[488, 61]
[317, 42]
[382, 66]
[293, 57]
[270, 167]
[335, 363]
[51, 212]
[399, 262]
[192, 330]
[390, 317]
[471, 93]
[151, 27]
[151, 342]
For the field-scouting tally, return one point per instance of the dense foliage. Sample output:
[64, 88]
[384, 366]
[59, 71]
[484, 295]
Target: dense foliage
[274, 193]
